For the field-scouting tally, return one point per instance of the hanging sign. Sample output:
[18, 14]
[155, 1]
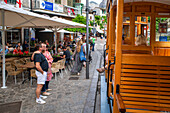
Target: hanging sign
[58, 8]
[163, 27]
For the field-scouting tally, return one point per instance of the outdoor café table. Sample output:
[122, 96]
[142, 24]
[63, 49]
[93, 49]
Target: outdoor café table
[29, 66]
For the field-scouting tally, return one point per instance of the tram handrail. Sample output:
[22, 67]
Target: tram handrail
[112, 63]
[105, 55]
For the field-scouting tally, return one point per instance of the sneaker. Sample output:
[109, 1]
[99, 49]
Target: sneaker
[40, 101]
[43, 97]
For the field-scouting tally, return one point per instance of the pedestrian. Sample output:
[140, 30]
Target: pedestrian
[41, 65]
[49, 58]
[77, 67]
[66, 55]
[83, 53]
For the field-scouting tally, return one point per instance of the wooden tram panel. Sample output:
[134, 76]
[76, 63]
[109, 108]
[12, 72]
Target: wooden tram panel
[145, 83]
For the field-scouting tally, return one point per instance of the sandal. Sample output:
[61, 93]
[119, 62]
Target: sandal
[46, 94]
[100, 70]
[49, 90]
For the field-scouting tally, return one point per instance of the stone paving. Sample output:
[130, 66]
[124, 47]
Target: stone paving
[68, 96]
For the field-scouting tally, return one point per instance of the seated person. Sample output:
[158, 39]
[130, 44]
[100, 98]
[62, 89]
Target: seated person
[6, 51]
[59, 50]
[102, 69]
[17, 50]
[19, 44]
[141, 40]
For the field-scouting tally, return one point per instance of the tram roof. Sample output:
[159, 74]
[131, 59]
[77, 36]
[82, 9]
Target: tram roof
[156, 1]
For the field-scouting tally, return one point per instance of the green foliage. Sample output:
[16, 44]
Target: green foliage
[91, 22]
[79, 19]
[105, 19]
[168, 38]
[98, 20]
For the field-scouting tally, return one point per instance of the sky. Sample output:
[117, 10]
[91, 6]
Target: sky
[97, 1]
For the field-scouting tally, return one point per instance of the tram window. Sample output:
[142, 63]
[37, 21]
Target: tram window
[162, 29]
[126, 30]
[142, 28]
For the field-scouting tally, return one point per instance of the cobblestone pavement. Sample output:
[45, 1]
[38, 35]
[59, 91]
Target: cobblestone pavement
[68, 96]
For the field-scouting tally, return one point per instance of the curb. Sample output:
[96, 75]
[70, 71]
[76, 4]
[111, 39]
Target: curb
[91, 98]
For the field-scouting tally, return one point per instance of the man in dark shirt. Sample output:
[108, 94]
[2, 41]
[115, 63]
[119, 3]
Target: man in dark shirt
[41, 65]
[66, 54]
[25, 46]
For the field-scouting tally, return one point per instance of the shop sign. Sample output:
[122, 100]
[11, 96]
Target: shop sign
[163, 38]
[58, 8]
[163, 27]
[46, 5]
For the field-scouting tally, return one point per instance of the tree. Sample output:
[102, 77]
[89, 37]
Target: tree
[79, 19]
[100, 21]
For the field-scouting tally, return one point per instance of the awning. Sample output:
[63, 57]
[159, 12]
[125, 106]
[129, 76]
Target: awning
[100, 31]
[52, 13]
[70, 7]
[19, 17]
[65, 31]
[74, 24]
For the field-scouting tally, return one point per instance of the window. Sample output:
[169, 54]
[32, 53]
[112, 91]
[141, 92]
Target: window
[58, 1]
[12, 1]
[70, 2]
[126, 31]
[142, 30]
[162, 29]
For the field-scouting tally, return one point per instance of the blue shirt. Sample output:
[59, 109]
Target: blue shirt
[6, 51]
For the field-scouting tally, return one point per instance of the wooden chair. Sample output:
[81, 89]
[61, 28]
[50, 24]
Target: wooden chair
[55, 68]
[17, 64]
[12, 71]
[33, 75]
[62, 65]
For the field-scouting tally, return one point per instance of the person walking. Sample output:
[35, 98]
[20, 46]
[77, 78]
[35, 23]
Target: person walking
[78, 64]
[49, 58]
[41, 65]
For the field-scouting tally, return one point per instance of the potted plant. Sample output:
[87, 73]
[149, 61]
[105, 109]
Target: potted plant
[9, 55]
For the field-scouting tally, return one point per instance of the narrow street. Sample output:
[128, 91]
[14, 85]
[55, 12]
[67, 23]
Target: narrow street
[68, 96]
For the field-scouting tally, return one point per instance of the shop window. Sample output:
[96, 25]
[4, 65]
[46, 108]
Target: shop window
[162, 29]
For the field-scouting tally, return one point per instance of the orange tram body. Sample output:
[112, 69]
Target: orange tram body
[138, 76]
